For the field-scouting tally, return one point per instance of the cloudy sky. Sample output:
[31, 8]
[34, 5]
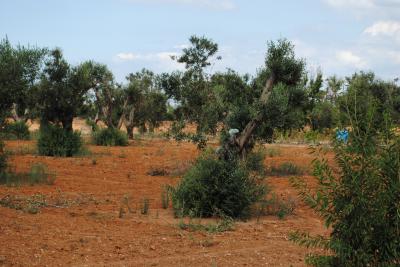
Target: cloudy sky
[337, 36]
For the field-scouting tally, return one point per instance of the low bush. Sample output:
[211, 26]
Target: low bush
[55, 141]
[213, 186]
[16, 131]
[110, 137]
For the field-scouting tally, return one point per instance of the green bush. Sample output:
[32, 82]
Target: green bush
[55, 141]
[360, 201]
[213, 187]
[110, 137]
[16, 131]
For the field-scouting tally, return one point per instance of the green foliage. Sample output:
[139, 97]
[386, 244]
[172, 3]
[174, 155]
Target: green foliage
[110, 137]
[361, 203]
[213, 186]
[3, 158]
[19, 68]
[323, 116]
[16, 131]
[38, 174]
[55, 141]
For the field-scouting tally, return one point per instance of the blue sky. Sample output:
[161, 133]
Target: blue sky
[337, 36]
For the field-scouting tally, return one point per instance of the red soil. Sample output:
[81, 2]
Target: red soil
[83, 227]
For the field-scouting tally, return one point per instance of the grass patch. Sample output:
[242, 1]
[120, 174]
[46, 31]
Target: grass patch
[38, 174]
[273, 152]
[225, 224]
[157, 171]
[285, 169]
[275, 207]
[30, 204]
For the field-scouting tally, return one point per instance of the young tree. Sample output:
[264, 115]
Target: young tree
[360, 199]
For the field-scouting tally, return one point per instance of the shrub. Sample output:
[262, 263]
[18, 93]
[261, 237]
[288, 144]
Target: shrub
[360, 203]
[213, 186]
[110, 137]
[55, 141]
[16, 131]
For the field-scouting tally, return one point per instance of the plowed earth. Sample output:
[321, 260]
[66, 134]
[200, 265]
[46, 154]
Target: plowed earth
[93, 216]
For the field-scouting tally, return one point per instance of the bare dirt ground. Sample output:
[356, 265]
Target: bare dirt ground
[83, 226]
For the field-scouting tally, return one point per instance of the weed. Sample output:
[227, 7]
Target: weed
[273, 152]
[145, 205]
[157, 171]
[122, 155]
[94, 161]
[22, 150]
[276, 207]
[30, 205]
[165, 197]
[225, 224]
[38, 174]
[285, 169]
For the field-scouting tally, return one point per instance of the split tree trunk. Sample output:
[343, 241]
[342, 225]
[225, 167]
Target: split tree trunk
[242, 141]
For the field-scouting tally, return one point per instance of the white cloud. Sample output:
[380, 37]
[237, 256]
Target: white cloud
[388, 28]
[127, 56]
[349, 58]
[213, 4]
[351, 3]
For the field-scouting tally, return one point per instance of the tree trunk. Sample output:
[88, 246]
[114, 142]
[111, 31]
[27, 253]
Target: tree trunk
[67, 124]
[243, 140]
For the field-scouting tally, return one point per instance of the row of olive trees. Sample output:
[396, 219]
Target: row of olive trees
[40, 83]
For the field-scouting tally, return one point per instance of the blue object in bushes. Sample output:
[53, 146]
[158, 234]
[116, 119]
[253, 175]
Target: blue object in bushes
[342, 135]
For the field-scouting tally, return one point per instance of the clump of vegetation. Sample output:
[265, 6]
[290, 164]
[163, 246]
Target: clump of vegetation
[223, 225]
[157, 171]
[16, 131]
[38, 174]
[273, 152]
[165, 196]
[213, 186]
[55, 141]
[145, 206]
[285, 169]
[110, 137]
[22, 150]
[31, 204]
[275, 206]
[361, 202]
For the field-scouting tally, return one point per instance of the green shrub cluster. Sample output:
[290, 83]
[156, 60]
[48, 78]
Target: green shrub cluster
[110, 137]
[55, 141]
[360, 202]
[214, 187]
[16, 131]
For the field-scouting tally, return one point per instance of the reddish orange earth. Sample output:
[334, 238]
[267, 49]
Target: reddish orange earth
[93, 216]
